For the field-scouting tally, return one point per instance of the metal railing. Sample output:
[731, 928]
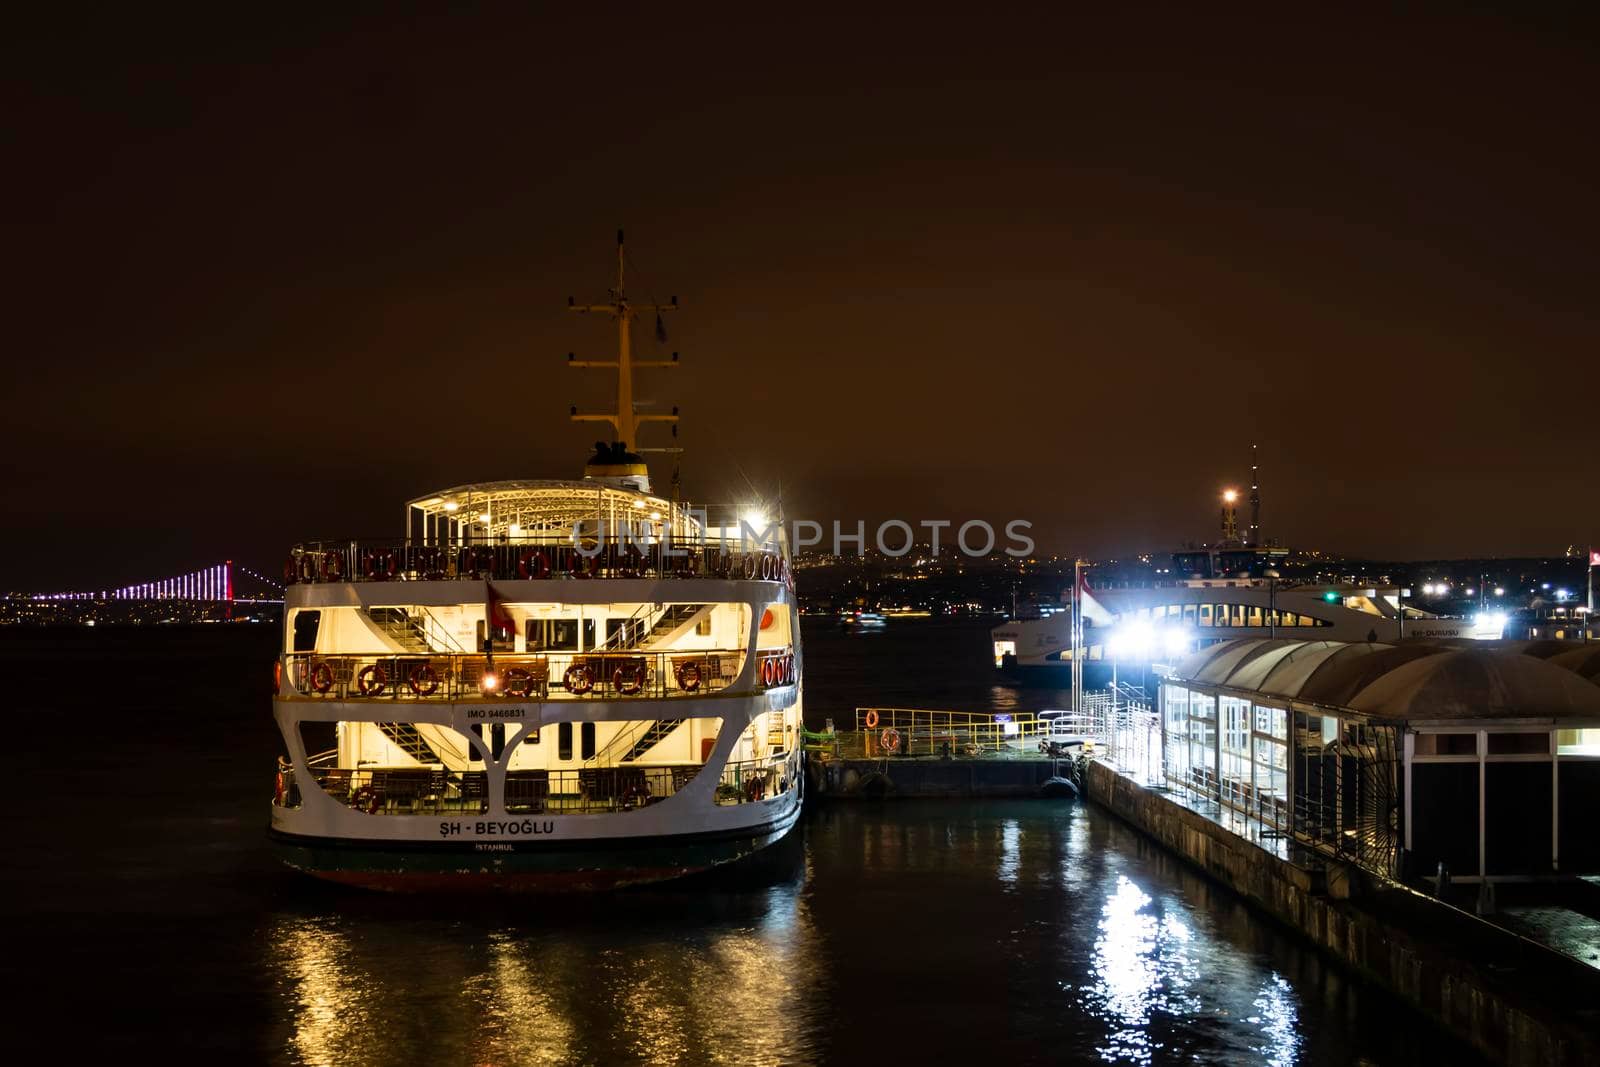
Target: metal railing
[598, 790]
[414, 676]
[405, 560]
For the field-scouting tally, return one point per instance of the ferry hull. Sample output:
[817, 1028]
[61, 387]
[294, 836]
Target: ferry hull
[583, 866]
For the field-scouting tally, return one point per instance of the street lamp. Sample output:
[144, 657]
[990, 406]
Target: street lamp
[1272, 576]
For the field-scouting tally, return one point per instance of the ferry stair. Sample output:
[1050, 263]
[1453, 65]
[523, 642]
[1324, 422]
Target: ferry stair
[642, 631]
[399, 626]
[407, 738]
[632, 744]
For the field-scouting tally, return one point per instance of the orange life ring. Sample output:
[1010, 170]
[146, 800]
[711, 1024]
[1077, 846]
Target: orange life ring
[372, 680]
[689, 677]
[533, 564]
[628, 679]
[767, 673]
[277, 791]
[872, 718]
[890, 739]
[578, 679]
[321, 676]
[423, 680]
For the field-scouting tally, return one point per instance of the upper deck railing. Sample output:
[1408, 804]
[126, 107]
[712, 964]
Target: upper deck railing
[638, 674]
[403, 560]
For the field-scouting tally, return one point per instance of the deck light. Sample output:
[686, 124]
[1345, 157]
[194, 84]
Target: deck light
[1499, 590]
[490, 682]
[451, 505]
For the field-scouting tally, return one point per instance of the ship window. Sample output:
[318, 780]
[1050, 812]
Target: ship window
[587, 625]
[1205, 614]
[564, 741]
[588, 740]
[305, 630]
[551, 635]
[613, 628]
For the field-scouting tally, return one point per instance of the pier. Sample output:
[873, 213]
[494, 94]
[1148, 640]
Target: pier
[1319, 807]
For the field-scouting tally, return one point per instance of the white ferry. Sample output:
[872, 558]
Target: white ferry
[542, 685]
[1225, 594]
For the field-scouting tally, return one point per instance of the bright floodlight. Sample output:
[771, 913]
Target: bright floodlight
[1176, 642]
[1427, 589]
[489, 683]
[1230, 496]
[1132, 640]
[1499, 590]
[1489, 625]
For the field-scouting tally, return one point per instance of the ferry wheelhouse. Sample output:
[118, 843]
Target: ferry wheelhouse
[562, 684]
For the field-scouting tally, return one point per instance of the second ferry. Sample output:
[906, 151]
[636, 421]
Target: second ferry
[542, 685]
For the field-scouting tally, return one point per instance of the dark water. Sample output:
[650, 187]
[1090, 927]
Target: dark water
[145, 917]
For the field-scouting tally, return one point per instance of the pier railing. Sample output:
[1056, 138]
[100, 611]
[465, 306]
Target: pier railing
[399, 560]
[586, 791]
[433, 677]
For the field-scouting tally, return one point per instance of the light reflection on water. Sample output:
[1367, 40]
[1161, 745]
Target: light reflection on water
[1019, 931]
[684, 985]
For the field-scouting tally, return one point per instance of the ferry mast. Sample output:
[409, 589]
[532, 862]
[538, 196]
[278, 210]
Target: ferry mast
[625, 421]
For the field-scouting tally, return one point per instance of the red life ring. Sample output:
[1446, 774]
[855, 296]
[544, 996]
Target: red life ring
[277, 791]
[637, 795]
[755, 787]
[321, 676]
[578, 679]
[533, 564]
[627, 562]
[423, 680]
[768, 568]
[783, 571]
[586, 566]
[766, 671]
[365, 799]
[890, 739]
[332, 566]
[290, 572]
[478, 562]
[689, 677]
[430, 564]
[788, 669]
[372, 680]
[519, 681]
[308, 567]
[380, 564]
[872, 718]
[628, 679]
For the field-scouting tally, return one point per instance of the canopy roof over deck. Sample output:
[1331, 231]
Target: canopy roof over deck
[1411, 682]
[546, 506]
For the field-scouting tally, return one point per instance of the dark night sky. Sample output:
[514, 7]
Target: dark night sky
[270, 278]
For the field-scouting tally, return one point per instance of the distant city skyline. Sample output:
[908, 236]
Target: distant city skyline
[269, 284]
